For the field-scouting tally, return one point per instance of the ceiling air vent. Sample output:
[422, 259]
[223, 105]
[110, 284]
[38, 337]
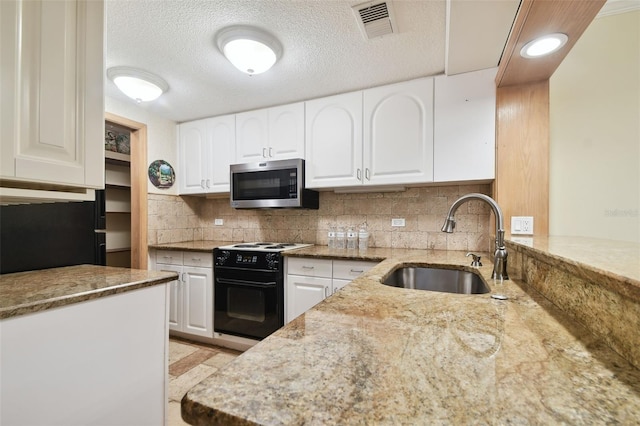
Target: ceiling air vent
[375, 19]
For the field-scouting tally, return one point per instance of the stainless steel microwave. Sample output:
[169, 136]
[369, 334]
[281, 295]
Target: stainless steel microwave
[271, 184]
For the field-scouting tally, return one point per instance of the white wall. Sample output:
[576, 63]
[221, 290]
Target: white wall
[595, 133]
[161, 136]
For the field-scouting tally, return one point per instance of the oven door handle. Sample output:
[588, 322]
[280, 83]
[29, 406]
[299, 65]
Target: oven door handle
[244, 283]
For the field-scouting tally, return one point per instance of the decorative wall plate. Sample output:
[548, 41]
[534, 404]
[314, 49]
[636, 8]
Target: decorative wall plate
[161, 174]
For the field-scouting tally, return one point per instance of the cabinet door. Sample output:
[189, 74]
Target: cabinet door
[53, 92]
[222, 150]
[303, 293]
[398, 133]
[175, 296]
[198, 301]
[338, 284]
[333, 143]
[251, 136]
[286, 132]
[465, 108]
[193, 149]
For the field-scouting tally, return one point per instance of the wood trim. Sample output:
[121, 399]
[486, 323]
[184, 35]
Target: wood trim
[521, 187]
[139, 207]
[536, 18]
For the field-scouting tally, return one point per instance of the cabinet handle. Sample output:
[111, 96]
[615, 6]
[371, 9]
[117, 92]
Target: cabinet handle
[326, 291]
[168, 257]
[184, 274]
[359, 174]
[357, 271]
[196, 259]
[264, 152]
[308, 267]
[270, 152]
[202, 183]
[367, 174]
[208, 184]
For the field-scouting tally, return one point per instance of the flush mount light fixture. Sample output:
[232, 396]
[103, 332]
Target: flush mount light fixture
[137, 84]
[249, 49]
[544, 45]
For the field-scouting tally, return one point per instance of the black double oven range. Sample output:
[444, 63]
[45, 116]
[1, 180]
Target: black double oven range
[249, 288]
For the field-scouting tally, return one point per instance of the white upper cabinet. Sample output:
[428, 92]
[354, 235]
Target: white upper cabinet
[222, 145]
[286, 132]
[334, 141]
[252, 136]
[52, 121]
[270, 134]
[393, 146]
[206, 148]
[398, 133]
[465, 106]
[193, 154]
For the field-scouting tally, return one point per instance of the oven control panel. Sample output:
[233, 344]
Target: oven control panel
[247, 259]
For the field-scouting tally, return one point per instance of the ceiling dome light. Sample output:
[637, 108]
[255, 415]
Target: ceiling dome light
[137, 84]
[543, 45]
[249, 49]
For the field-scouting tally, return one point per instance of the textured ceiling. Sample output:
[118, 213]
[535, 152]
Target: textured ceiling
[324, 50]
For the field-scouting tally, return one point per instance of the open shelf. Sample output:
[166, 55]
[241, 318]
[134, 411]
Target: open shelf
[116, 157]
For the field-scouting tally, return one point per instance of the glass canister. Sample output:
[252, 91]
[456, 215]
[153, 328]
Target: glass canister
[341, 240]
[352, 239]
[363, 237]
[331, 237]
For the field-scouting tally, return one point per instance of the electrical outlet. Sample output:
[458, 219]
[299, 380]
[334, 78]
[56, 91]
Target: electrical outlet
[521, 225]
[218, 222]
[398, 222]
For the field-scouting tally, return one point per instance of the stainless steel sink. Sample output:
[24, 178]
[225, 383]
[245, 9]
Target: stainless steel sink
[437, 279]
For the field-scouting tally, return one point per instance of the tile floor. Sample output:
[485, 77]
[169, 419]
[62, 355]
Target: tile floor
[189, 363]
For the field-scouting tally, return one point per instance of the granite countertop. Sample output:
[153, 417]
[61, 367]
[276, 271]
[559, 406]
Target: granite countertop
[203, 245]
[27, 292]
[373, 354]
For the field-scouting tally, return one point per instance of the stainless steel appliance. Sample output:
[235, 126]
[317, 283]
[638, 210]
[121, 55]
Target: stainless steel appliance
[271, 184]
[249, 288]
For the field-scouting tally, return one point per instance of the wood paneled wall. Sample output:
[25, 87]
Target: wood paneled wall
[521, 187]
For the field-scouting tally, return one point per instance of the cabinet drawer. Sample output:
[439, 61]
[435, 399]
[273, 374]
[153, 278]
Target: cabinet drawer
[196, 258]
[169, 257]
[348, 270]
[309, 267]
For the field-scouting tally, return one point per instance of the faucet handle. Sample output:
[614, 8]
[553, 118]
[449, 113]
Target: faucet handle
[476, 259]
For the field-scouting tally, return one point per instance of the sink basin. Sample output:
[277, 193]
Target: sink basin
[437, 279]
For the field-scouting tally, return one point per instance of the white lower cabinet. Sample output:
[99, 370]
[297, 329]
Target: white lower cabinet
[191, 296]
[310, 281]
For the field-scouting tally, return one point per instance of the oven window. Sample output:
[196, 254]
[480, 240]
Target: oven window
[246, 303]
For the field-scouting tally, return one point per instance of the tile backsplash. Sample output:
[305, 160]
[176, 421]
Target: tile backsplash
[186, 218]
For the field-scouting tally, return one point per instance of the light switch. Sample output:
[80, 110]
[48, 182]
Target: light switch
[521, 225]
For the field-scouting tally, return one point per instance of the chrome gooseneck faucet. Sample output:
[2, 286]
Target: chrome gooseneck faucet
[500, 256]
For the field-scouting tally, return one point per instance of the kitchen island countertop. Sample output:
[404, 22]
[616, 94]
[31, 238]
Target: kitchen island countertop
[27, 292]
[373, 354]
